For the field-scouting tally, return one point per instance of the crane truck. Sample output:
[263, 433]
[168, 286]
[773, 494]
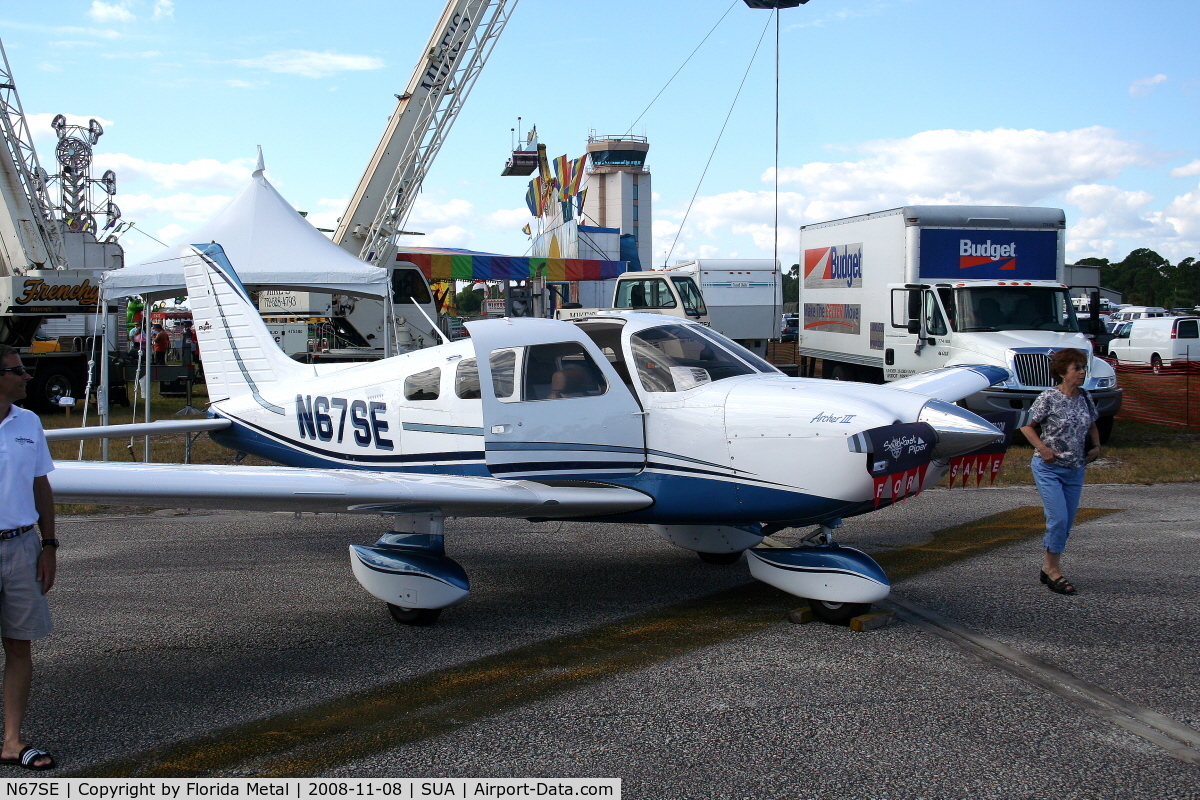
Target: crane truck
[49, 268]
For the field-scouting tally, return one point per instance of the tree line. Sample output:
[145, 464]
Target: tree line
[1144, 278]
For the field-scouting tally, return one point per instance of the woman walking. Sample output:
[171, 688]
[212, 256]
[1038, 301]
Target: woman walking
[1068, 439]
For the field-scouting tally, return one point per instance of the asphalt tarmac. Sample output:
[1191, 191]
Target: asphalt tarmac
[240, 644]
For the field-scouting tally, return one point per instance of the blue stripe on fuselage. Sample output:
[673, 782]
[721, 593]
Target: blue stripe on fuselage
[679, 498]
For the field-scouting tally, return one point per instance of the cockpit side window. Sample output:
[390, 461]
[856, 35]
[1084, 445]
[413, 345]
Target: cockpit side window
[559, 371]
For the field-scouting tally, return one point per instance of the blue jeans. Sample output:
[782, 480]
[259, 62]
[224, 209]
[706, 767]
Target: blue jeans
[1060, 488]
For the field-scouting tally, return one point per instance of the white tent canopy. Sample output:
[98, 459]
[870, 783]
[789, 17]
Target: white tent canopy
[269, 244]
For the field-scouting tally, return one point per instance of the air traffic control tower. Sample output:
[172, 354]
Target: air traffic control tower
[618, 189]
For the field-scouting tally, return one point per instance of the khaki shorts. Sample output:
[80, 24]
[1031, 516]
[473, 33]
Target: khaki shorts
[24, 610]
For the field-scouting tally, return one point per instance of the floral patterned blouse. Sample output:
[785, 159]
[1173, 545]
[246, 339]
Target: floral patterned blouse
[1065, 424]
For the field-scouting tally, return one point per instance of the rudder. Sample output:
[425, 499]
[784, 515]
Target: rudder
[238, 352]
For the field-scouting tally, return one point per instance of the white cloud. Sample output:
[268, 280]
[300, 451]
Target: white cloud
[327, 212]
[1142, 87]
[309, 64]
[171, 234]
[110, 12]
[1108, 214]
[1187, 170]
[39, 128]
[163, 9]
[183, 206]
[1183, 213]
[998, 167]
[509, 219]
[203, 173]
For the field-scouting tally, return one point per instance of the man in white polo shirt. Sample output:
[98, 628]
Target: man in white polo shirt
[27, 561]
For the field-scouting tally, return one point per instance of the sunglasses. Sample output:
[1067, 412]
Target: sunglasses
[18, 370]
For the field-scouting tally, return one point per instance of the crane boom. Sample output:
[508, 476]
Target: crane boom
[440, 83]
[29, 237]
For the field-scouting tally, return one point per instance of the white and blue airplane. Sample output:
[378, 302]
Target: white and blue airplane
[632, 418]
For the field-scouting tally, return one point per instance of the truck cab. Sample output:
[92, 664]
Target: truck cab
[650, 293]
[1015, 324]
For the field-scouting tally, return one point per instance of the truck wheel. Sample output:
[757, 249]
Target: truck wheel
[49, 384]
[1104, 426]
[1156, 364]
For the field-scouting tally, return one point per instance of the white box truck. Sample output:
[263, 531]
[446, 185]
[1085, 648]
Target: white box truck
[744, 297]
[898, 292]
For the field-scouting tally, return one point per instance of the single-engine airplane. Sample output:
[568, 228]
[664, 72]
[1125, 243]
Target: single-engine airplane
[611, 418]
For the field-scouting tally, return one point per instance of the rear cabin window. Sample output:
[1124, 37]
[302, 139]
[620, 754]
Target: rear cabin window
[1187, 329]
[423, 385]
[466, 379]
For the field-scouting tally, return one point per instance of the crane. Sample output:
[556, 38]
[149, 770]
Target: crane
[29, 237]
[447, 69]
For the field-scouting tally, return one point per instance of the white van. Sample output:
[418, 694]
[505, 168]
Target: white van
[1158, 342]
[1138, 312]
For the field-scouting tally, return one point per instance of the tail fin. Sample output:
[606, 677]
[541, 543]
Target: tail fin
[238, 352]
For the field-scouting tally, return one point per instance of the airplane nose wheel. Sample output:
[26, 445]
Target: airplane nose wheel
[417, 617]
[837, 613]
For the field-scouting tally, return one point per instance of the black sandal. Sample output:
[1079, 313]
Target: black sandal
[1060, 586]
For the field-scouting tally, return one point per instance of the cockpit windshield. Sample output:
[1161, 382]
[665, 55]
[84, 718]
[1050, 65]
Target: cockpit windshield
[1016, 308]
[674, 358]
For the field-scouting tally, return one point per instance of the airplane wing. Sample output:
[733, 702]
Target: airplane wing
[136, 429]
[330, 490]
[952, 383]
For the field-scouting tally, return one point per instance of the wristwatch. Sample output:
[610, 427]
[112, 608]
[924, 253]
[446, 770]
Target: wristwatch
[50, 543]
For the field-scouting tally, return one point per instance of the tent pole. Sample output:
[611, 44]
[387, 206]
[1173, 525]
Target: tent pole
[102, 390]
[146, 351]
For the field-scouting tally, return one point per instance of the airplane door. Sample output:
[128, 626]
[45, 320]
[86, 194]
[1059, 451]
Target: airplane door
[553, 406]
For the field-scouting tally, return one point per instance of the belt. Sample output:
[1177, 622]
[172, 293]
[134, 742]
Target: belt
[15, 532]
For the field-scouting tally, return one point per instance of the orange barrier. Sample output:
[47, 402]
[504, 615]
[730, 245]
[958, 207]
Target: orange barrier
[1170, 396]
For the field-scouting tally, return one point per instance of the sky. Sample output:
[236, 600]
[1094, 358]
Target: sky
[1092, 107]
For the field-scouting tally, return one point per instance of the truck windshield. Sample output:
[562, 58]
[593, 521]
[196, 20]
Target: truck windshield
[1017, 308]
[693, 303]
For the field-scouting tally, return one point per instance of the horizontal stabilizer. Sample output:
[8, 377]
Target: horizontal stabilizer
[952, 383]
[137, 429]
[330, 490]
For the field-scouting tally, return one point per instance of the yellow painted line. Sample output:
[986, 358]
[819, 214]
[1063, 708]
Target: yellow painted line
[362, 724]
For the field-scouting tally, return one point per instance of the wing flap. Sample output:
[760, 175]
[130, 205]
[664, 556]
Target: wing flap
[295, 489]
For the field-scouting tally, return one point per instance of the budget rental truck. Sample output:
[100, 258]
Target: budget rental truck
[894, 293]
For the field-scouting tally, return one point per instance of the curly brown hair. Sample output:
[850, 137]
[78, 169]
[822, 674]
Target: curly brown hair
[1061, 360]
